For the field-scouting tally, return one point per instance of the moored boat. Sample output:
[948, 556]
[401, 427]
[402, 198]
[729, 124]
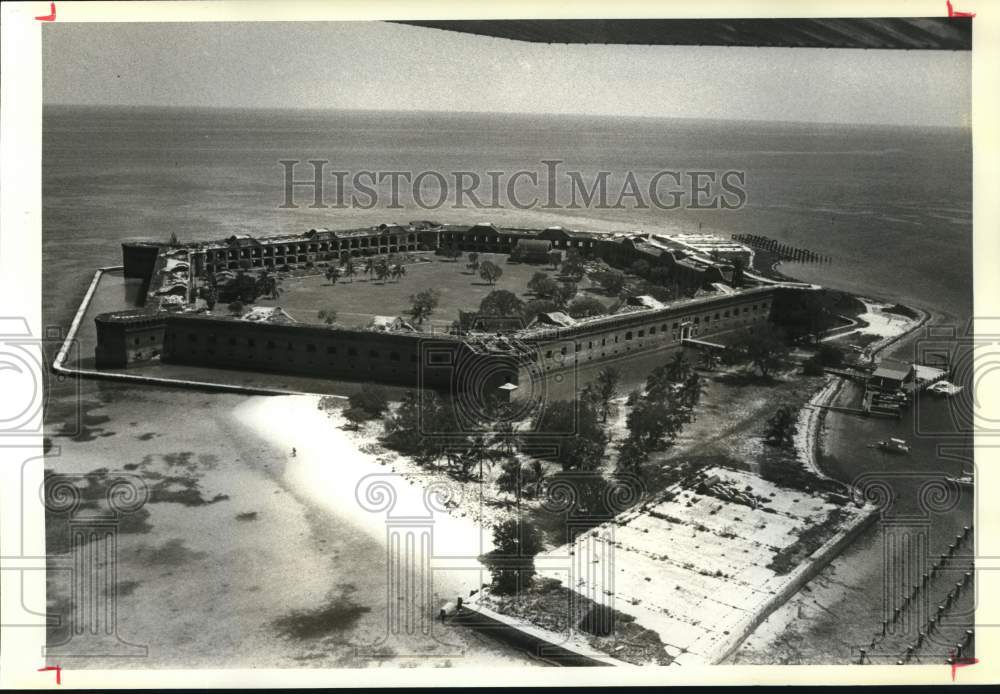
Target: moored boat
[944, 388]
[893, 445]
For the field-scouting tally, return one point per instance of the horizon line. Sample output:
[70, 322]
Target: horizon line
[323, 109]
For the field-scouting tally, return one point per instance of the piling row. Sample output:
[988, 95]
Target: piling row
[782, 250]
[934, 621]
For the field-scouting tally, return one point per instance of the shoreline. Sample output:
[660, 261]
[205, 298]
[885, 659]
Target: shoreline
[812, 416]
[362, 488]
[833, 587]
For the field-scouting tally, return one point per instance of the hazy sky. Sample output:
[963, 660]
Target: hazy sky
[385, 66]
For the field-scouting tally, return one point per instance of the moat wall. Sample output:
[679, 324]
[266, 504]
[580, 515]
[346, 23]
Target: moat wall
[417, 359]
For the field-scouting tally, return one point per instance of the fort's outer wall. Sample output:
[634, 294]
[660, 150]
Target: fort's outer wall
[714, 318]
[398, 358]
[128, 337]
[413, 360]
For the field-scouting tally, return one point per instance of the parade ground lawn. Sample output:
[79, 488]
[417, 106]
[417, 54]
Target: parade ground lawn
[357, 301]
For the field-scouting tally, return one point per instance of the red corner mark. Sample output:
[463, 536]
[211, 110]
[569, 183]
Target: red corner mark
[961, 662]
[951, 11]
[59, 672]
[51, 17]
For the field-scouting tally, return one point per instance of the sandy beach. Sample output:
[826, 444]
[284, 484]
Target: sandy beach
[347, 475]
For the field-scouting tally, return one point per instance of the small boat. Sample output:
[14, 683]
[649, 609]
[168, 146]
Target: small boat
[893, 446]
[965, 480]
[944, 388]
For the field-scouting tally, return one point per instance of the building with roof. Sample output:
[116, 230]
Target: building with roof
[709, 246]
[890, 376]
[532, 250]
[554, 319]
[316, 245]
[687, 267]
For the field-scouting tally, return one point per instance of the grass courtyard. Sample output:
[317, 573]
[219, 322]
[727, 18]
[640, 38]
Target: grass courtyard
[357, 301]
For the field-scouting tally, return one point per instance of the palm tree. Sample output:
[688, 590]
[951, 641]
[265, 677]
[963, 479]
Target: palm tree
[264, 283]
[381, 270]
[349, 269]
[369, 266]
[709, 360]
[332, 274]
[268, 285]
[607, 386]
[537, 476]
[398, 271]
[211, 297]
[691, 390]
[680, 367]
[504, 434]
[478, 454]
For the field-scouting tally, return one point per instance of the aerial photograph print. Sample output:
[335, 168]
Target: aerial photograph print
[514, 343]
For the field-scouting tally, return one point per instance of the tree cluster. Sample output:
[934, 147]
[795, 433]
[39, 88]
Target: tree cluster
[612, 281]
[427, 427]
[572, 266]
[512, 562]
[827, 356]
[586, 306]
[370, 402]
[423, 304]
[571, 433]
[781, 428]
[501, 302]
[765, 348]
[659, 414]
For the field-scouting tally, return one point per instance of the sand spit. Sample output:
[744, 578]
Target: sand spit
[335, 470]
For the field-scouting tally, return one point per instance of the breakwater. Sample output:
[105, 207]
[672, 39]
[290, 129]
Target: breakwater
[782, 251]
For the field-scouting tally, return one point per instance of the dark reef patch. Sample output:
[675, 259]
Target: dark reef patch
[337, 615]
[181, 490]
[128, 587]
[92, 488]
[170, 553]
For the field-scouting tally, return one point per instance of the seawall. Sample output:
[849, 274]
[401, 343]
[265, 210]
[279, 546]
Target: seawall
[541, 644]
[802, 574]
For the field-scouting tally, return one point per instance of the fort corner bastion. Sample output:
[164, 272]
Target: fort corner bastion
[173, 325]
